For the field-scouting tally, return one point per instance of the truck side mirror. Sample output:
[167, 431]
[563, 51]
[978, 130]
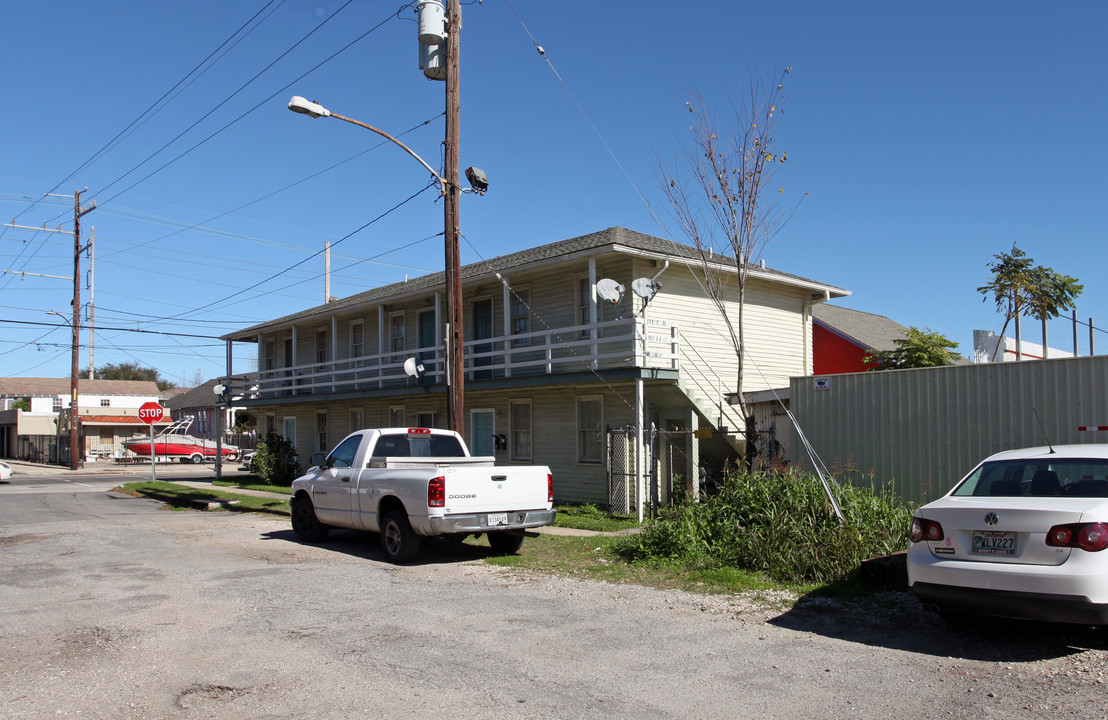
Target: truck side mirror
[318, 459]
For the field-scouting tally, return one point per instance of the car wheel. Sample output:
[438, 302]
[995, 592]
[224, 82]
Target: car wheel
[305, 525]
[505, 542]
[196, 459]
[398, 541]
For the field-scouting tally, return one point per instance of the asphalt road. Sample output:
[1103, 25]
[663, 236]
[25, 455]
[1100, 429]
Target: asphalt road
[111, 607]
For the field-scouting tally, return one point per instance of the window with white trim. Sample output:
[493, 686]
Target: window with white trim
[590, 419]
[396, 335]
[321, 432]
[519, 429]
[521, 315]
[357, 338]
[396, 416]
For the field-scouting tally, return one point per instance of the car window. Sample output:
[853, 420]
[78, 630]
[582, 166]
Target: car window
[391, 446]
[1038, 477]
[343, 455]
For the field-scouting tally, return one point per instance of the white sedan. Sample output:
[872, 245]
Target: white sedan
[5, 471]
[1021, 536]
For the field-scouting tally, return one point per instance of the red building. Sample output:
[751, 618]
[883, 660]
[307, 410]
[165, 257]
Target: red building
[841, 338]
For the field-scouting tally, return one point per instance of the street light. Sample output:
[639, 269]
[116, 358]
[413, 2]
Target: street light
[74, 460]
[450, 190]
[299, 105]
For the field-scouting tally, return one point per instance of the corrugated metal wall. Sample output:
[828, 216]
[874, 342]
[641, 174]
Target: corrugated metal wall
[924, 429]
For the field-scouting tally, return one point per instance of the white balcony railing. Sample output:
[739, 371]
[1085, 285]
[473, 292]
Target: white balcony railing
[630, 342]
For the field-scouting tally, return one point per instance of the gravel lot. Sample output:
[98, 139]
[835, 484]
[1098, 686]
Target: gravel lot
[115, 608]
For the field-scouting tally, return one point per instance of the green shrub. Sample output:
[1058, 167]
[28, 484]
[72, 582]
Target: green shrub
[778, 523]
[275, 461]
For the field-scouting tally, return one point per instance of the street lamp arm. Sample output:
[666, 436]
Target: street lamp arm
[405, 148]
[305, 107]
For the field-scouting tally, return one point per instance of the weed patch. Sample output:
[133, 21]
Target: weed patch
[780, 524]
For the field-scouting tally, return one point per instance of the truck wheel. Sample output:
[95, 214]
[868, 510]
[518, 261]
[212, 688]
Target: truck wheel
[196, 459]
[505, 542]
[305, 525]
[399, 542]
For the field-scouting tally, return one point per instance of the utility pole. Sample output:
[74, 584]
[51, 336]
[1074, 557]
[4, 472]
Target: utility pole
[455, 361]
[74, 444]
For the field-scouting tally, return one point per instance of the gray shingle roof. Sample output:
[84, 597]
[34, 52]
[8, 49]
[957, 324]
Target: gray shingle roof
[590, 244]
[49, 387]
[201, 396]
[873, 332]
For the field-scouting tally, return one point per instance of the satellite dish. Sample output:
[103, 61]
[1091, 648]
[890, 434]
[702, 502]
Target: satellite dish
[645, 288]
[609, 290]
[413, 368]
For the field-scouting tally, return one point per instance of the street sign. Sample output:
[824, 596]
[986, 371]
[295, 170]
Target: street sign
[151, 413]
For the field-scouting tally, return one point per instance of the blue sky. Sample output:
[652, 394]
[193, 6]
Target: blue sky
[927, 136]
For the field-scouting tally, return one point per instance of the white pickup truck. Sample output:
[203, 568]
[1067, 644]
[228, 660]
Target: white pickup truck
[407, 483]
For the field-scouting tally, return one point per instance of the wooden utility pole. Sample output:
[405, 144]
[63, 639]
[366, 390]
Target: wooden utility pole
[455, 361]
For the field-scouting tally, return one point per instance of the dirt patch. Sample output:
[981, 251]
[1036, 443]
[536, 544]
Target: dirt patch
[10, 540]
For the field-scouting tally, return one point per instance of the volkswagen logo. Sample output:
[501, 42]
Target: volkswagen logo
[991, 519]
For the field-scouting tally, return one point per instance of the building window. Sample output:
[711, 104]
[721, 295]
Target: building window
[590, 414]
[425, 419]
[321, 346]
[105, 402]
[270, 355]
[270, 424]
[521, 315]
[321, 432]
[357, 419]
[396, 416]
[290, 430]
[357, 338]
[584, 305]
[519, 425]
[57, 404]
[396, 335]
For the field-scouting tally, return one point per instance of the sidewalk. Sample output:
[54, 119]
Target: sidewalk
[168, 470]
[200, 477]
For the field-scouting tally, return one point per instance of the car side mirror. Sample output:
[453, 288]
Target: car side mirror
[318, 459]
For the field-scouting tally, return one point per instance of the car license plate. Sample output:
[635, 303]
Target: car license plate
[994, 542]
[497, 519]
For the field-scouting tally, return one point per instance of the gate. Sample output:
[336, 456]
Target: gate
[666, 461]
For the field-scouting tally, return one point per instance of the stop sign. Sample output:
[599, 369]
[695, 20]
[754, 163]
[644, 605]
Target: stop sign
[150, 413]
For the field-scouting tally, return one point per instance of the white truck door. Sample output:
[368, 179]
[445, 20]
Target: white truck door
[332, 493]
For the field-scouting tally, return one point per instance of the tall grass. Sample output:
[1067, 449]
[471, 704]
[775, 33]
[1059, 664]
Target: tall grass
[777, 523]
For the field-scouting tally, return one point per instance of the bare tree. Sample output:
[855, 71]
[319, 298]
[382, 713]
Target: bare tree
[721, 195]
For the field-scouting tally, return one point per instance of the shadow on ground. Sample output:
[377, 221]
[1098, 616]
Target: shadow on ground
[889, 616]
[367, 546]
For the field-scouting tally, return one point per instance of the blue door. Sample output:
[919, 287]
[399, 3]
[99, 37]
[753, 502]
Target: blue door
[482, 426]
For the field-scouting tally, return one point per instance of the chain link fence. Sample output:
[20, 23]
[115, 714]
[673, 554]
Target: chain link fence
[666, 468]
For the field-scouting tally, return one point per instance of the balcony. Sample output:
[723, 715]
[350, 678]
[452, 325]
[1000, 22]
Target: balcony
[625, 343]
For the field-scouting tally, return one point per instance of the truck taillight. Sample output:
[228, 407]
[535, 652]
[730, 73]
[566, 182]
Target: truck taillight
[436, 492]
[419, 431]
[549, 487]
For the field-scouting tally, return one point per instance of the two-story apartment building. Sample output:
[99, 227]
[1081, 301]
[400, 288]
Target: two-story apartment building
[550, 363]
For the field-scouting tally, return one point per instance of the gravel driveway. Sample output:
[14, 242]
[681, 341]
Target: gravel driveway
[115, 608]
